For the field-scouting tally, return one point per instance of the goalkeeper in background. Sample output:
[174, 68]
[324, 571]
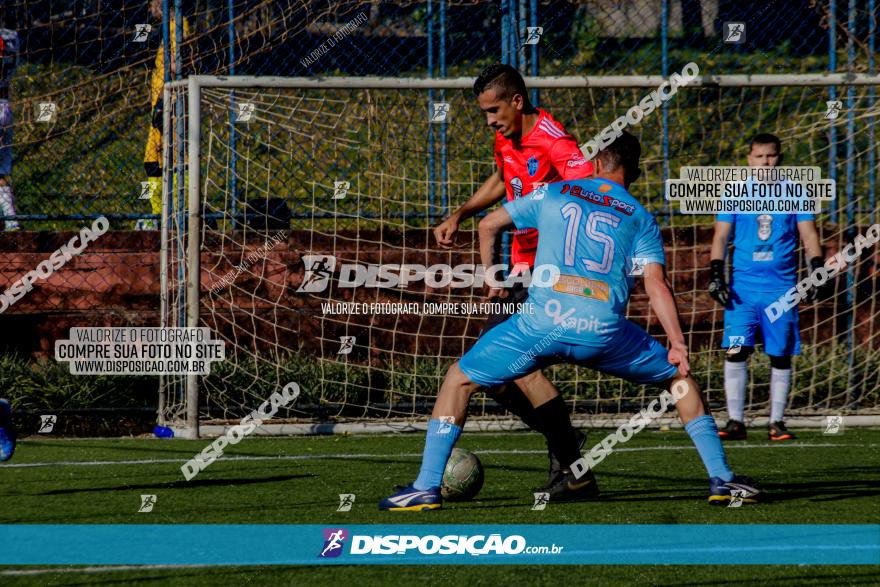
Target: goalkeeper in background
[764, 268]
[153, 153]
[531, 148]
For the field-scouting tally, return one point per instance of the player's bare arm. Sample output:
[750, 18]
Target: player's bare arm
[490, 227]
[810, 237]
[719, 241]
[511, 116]
[488, 194]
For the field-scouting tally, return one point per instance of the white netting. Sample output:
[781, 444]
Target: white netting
[402, 174]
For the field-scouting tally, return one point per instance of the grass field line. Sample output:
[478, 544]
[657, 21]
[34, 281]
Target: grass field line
[383, 455]
[101, 569]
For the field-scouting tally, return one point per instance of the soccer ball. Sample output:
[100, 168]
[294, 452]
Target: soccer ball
[463, 477]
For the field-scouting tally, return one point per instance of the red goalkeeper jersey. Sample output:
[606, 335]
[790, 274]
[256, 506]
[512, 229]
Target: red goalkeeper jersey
[546, 154]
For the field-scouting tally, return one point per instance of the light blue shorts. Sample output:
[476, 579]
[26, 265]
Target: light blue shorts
[506, 353]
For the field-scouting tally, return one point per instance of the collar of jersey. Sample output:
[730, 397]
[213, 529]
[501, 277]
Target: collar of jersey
[542, 114]
[609, 181]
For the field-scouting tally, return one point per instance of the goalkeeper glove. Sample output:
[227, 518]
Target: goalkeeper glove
[815, 294]
[717, 285]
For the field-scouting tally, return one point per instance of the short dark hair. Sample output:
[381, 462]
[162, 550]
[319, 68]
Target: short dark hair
[504, 79]
[626, 151]
[766, 138]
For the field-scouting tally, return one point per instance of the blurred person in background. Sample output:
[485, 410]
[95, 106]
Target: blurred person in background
[8, 59]
[153, 152]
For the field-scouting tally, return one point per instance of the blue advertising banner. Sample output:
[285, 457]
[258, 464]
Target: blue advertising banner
[438, 544]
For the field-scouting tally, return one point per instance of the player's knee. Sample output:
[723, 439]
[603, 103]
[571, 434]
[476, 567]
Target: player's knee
[460, 381]
[680, 386]
[455, 374]
[530, 379]
[783, 362]
[685, 394]
[739, 356]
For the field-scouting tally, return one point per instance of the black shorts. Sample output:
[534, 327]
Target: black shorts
[516, 294]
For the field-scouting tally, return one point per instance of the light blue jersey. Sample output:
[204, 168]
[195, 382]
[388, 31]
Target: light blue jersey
[765, 250]
[595, 232]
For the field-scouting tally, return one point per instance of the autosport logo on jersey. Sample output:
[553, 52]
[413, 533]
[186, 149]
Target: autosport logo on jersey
[602, 200]
[320, 269]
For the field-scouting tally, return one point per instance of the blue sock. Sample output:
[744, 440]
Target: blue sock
[439, 440]
[704, 433]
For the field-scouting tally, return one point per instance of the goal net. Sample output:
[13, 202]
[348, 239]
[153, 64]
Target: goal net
[274, 187]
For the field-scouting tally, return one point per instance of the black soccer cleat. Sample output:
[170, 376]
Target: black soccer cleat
[570, 488]
[778, 431]
[555, 472]
[734, 430]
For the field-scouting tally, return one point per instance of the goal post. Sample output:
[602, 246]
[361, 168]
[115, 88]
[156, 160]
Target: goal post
[194, 242]
[347, 169]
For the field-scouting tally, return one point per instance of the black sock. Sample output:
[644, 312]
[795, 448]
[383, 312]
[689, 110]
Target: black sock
[512, 399]
[554, 419]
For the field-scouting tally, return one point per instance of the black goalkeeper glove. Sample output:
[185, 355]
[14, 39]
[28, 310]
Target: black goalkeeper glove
[717, 284]
[815, 294]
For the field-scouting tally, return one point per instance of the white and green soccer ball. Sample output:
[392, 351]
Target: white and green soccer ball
[463, 477]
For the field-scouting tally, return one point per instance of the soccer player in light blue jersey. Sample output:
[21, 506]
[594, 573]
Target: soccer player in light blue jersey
[595, 232]
[765, 263]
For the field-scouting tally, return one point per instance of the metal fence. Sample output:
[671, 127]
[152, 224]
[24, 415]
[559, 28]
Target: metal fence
[79, 75]
[81, 80]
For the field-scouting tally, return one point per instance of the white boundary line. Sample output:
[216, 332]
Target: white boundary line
[386, 455]
[479, 425]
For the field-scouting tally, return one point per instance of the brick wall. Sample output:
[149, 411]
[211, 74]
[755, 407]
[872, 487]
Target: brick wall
[115, 282]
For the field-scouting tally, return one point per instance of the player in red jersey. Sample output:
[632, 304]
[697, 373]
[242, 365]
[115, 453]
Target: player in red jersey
[531, 148]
